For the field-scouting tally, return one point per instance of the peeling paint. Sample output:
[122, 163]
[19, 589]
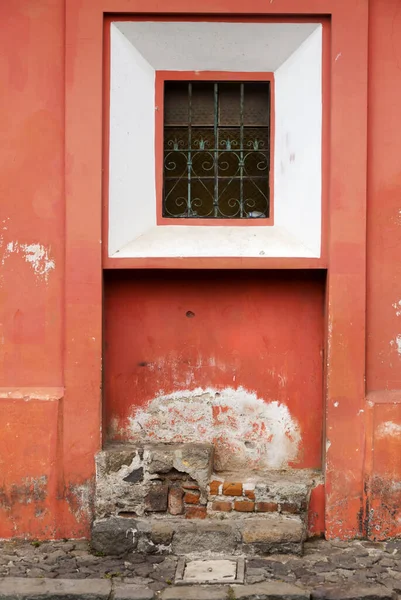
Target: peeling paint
[397, 307]
[246, 431]
[397, 343]
[30, 490]
[36, 255]
[80, 499]
[388, 429]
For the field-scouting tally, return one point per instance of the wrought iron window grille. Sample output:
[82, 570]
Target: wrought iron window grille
[216, 150]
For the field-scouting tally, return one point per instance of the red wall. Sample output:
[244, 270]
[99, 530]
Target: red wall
[383, 444]
[175, 331]
[41, 454]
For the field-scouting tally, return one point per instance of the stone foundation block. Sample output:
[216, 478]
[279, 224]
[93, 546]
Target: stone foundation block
[114, 536]
[206, 536]
[273, 529]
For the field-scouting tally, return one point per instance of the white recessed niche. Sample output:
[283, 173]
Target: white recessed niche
[293, 51]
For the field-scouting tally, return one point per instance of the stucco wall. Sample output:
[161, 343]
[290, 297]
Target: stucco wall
[48, 435]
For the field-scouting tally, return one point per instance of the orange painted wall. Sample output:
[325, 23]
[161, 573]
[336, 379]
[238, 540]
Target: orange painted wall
[49, 377]
[383, 406]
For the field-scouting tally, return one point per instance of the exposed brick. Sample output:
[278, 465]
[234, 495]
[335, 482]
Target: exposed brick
[175, 502]
[232, 489]
[244, 506]
[191, 498]
[266, 507]
[288, 507]
[221, 506]
[249, 494]
[214, 487]
[195, 512]
[156, 498]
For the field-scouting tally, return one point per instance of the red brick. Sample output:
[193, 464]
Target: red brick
[222, 506]
[175, 503]
[266, 507]
[249, 494]
[195, 512]
[214, 487]
[288, 507]
[191, 498]
[231, 488]
[244, 506]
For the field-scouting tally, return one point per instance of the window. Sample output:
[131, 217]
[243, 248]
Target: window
[216, 149]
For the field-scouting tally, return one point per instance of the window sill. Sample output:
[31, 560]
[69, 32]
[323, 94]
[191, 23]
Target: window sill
[216, 242]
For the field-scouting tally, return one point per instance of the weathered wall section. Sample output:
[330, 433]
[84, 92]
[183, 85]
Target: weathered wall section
[37, 499]
[31, 263]
[232, 359]
[48, 434]
[383, 407]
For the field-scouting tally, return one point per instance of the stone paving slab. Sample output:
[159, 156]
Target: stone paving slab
[197, 593]
[14, 588]
[353, 593]
[327, 571]
[129, 591]
[270, 591]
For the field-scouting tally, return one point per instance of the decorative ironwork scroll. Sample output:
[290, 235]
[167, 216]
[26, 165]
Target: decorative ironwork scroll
[216, 150]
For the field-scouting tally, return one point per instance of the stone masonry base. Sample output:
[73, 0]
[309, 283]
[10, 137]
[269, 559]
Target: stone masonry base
[168, 498]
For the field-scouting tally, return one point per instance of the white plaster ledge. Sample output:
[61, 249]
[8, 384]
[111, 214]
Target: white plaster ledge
[217, 241]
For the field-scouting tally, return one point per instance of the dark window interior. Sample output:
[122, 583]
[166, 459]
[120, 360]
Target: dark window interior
[216, 149]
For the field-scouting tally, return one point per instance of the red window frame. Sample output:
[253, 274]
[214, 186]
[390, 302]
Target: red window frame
[161, 77]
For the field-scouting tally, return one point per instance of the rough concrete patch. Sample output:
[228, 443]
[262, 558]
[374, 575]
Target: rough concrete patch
[15, 588]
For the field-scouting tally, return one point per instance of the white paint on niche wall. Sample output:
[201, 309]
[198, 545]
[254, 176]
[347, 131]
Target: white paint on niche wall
[293, 51]
[246, 431]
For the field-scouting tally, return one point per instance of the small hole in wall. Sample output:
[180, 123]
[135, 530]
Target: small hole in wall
[250, 445]
[190, 314]
[127, 514]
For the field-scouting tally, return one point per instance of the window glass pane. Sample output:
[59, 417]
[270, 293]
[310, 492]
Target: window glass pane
[256, 104]
[202, 103]
[176, 103]
[229, 103]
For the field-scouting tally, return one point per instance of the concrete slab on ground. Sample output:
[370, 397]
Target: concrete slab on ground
[18, 588]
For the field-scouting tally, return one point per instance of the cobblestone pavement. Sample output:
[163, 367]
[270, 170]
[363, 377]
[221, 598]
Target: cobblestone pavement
[325, 565]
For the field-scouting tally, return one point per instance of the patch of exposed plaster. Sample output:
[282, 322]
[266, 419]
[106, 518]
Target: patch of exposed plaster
[36, 255]
[30, 490]
[397, 308]
[389, 429]
[397, 343]
[246, 430]
[79, 499]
